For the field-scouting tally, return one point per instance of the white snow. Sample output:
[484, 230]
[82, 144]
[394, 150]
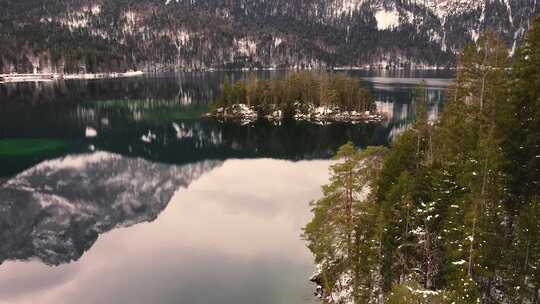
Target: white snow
[131, 73]
[474, 34]
[90, 132]
[346, 6]
[176, 128]
[424, 292]
[182, 131]
[182, 38]
[147, 138]
[277, 42]
[343, 292]
[77, 23]
[443, 8]
[130, 16]
[387, 20]
[99, 76]
[95, 9]
[246, 46]
[418, 231]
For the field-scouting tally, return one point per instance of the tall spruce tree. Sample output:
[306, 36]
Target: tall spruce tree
[522, 149]
[341, 234]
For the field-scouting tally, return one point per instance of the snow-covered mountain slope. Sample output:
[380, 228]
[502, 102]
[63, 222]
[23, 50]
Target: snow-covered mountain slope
[249, 33]
[56, 210]
[444, 8]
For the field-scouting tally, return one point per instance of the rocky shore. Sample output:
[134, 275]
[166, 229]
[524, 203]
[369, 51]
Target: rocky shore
[245, 114]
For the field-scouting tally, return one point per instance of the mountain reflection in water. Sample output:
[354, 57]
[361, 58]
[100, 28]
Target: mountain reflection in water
[226, 201]
[56, 210]
[223, 239]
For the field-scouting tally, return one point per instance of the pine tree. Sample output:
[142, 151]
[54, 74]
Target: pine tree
[470, 148]
[341, 234]
[522, 146]
[522, 149]
[225, 98]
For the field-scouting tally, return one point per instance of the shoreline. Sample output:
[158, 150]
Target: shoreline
[49, 77]
[296, 68]
[245, 114]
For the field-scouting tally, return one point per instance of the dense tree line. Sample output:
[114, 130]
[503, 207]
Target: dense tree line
[298, 91]
[450, 213]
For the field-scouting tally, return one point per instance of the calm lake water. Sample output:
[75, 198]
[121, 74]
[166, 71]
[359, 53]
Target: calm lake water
[116, 191]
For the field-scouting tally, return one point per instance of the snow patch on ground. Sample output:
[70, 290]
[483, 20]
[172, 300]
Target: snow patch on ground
[246, 46]
[95, 9]
[277, 42]
[98, 76]
[309, 112]
[183, 37]
[346, 6]
[75, 22]
[387, 20]
[444, 8]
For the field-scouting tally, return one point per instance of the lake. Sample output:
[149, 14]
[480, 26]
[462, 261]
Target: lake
[116, 191]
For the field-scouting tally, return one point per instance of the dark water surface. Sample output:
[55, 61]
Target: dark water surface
[116, 191]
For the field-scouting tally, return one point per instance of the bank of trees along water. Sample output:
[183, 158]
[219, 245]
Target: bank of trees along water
[298, 91]
[453, 212]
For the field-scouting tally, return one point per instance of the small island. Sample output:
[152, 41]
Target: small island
[316, 97]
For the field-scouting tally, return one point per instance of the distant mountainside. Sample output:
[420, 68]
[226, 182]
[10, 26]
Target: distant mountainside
[116, 35]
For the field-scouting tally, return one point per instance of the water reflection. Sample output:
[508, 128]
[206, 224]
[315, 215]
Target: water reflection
[184, 88]
[61, 109]
[56, 210]
[232, 236]
[217, 242]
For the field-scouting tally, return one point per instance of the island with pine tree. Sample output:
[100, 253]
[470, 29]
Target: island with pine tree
[316, 97]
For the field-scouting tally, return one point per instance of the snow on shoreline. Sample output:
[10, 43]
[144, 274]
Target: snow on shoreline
[322, 114]
[103, 75]
[8, 78]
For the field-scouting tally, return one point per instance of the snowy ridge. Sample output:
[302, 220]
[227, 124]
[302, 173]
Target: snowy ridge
[444, 8]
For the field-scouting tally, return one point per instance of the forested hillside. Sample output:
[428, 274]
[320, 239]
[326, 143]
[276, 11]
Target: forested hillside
[450, 213]
[117, 35]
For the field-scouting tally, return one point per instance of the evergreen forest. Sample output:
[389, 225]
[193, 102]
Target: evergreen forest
[450, 212]
[297, 91]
